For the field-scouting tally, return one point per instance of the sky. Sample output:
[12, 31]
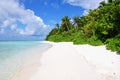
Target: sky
[33, 19]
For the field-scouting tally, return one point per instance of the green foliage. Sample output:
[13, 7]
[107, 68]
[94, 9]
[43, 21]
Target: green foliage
[65, 23]
[113, 44]
[79, 38]
[101, 25]
[94, 41]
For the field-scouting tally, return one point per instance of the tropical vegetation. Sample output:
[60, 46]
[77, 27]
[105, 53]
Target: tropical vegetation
[100, 26]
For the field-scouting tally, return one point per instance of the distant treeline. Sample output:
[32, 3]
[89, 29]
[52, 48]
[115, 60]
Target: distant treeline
[100, 26]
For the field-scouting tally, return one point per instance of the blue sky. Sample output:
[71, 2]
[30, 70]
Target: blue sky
[51, 11]
[33, 19]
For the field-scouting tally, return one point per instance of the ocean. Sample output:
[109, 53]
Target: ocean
[13, 54]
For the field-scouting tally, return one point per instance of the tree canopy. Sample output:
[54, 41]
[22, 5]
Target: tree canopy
[100, 26]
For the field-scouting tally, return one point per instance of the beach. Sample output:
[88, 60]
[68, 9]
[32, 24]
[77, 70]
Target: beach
[65, 61]
[16, 58]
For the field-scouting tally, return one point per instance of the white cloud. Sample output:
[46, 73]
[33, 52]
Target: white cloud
[85, 12]
[7, 22]
[12, 13]
[13, 26]
[86, 4]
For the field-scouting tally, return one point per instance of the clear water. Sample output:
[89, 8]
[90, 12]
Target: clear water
[13, 54]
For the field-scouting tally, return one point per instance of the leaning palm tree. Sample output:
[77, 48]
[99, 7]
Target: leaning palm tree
[66, 23]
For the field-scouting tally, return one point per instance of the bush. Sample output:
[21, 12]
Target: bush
[80, 41]
[94, 41]
[113, 44]
[79, 38]
[55, 38]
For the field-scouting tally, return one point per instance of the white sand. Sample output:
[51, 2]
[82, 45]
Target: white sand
[65, 61]
[105, 62]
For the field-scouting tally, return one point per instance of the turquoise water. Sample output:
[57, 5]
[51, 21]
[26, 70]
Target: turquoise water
[8, 49]
[14, 53]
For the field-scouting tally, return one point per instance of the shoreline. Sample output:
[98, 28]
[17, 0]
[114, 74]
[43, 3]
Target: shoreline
[31, 65]
[64, 60]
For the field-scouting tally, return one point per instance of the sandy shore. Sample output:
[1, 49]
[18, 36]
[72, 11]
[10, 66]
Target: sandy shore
[105, 62]
[31, 64]
[65, 61]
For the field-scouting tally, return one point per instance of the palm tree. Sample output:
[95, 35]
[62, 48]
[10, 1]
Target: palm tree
[110, 1]
[57, 25]
[102, 4]
[66, 23]
[76, 21]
